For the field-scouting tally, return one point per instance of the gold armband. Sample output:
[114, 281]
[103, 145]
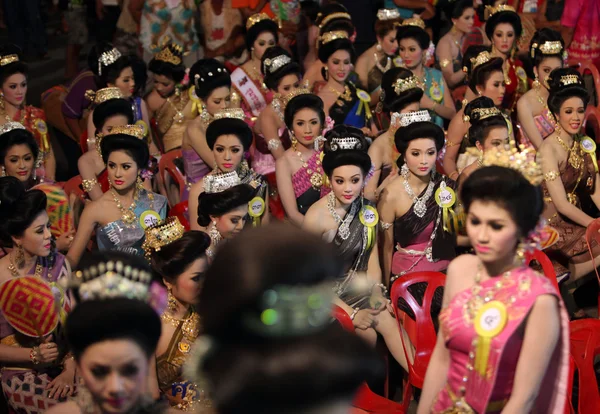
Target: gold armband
[451, 143]
[551, 176]
[444, 63]
[88, 185]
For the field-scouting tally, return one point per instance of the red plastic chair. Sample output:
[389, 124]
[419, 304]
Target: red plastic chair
[421, 330]
[587, 67]
[73, 186]
[592, 234]
[365, 399]
[585, 345]
[591, 123]
[167, 163]
[180, 210]
[541, 257]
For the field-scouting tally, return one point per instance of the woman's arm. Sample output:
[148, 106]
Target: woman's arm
[312, 220]
[387, 214]
[152, 146]
[286, 191]
[444, 55]
[197, 140]
[362, 69]
[87, 170]
[14, 354]
[153, 379]
[377, 162]
[456, 132]
[91, 129]
[448, 110]
[50, 165]
[87, 223]
[268, 126]
[543, 322]
[195, 191]
[525, 117]
[596, 194]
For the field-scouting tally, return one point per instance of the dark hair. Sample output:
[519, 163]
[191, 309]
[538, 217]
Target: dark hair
[416, 130]
[111, 73]
[509, 17]
[272, 79]
[336, 157]
[266, 25]
[310, 9]
[482, 73]
[136, 148]
[18, 208]
[481, 9]
[218, 204]
[140, 74]
[208, 75]
[480, 128]
[18, 66]
[540, 37]
[17, 137]
[339, 23]
[392, 101]
[168, 69]
[471, 53]
[457, 9]
[94, 55]
[303, 101]
[508, 188]
[229, 126]
[173, 259]
[559, 93]
[414, 32]
[110, 108]
[383, 27]
[253, 373]
[328, 49]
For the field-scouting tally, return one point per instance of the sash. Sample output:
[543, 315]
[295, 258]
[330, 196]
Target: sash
[249, 91]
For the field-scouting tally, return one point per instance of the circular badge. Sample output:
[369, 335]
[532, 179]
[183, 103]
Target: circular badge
[144, 126]
[149, 218]
[369, 216]
[491, 319]
[398, 62]
[41, 126]
[588, 145]
[436, 92]
[445, 196]
[363, 95]
[521, 73]
[256, 207]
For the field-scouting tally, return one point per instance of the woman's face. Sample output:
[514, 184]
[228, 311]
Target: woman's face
[339, 65]
[547, 65]
[389, 43]
[232, 222]
[218, 100]
[36, 239]
[229, 152]
[306, 126]
[14, 89]
[571, 115]
[122, 170]
[411, 53]
[492, 232]
[163, 85]
[111, 122]
[411, 107]
[288, 84]
[465, 22]
[347, 183]
[264, 41]
[19, 162]
[126, 82]
[503, 38]
[497, 137]
[188, 285]
[420, 156]
[115, 372]
[494, 88]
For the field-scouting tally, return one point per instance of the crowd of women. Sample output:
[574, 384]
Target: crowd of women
[130, 294]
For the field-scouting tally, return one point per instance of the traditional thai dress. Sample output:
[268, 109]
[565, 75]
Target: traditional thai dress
[544, 123]
[195, 169]
[24, 385]
[260, 184]
[518, 85]
[582, 16]
[171, 121]
[489, 392]
[150, 208]
[434, 89]
[308, 183]
[352, 107]
[34, 119]
[255, 96]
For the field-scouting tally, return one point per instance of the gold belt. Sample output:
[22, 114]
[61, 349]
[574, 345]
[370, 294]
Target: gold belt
[464, 408]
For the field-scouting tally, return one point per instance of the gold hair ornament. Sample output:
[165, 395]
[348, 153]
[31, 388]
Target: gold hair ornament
[490, 10]
[166, 54]
[331, 36]
[483, 113]
[402, 85]
[521, 161]
[162, 234]
[480, 59]
[414, 21]
[233, 113]
[103, 95]
[388, 14]
[333, 16]
[8, 59]
[136, 131]
[553, 47]
[255, 18]
[302, 90]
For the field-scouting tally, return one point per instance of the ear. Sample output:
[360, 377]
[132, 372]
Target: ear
[17, 241]
[213, 218]
[167, 284]
[479, 146]
[535, 72]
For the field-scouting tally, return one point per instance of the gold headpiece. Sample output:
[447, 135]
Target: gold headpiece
[388, 14]
[235, 113]
[8, 59]
[483, 113]
[554, 47]
[136, 131]
[255, 18]
[333, 16]
[216, 183]
[414, 21]
[569, 80]
[166, 54]
[103, 95]
[481, 58]
[490, 11]
[331, 36]
[162, 234]
[402, 85]
[521, 161]
[302, 90]
[108, 58]
[9, 126]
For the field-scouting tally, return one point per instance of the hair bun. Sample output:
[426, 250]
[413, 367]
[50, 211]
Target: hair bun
[344, 137]
[476, 109]
[11, 190]
[562, 78]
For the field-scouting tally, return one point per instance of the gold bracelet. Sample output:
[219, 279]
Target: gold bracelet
[444, 63]
[88, 185]
[451, 143]
[551, 176]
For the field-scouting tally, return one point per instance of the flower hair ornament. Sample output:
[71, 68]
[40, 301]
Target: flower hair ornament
[162, 234]
[350, 143]
[9, 126]
[403, 85]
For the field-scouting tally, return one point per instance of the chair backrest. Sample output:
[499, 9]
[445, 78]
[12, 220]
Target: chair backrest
[591, 123]
[83, 141]
[73, 186]
[343, 318]
[180, 211]
[547, 267]
[424, 332]
[585, 346]
[592, 234]
[588, 67]
[167, 163]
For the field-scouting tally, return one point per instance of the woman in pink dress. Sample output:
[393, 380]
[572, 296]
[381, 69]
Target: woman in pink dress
[581, 30]
[489, 357]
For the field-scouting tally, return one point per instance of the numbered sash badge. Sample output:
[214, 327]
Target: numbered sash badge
[445, 196]
[256, 207]
[149, 218]
[368, 216]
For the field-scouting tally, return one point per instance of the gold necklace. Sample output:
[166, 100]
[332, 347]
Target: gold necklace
[190, 327]
[178, 118]
[574, 153]
[127, 215]
[346, 95]
[12, 268]
[316, 177]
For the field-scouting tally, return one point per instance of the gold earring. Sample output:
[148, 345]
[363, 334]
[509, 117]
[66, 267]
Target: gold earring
[139, 183]
[2, 107]
[171, 301]
[19, 256]
[294, 141]
[3, 171]
[520, 254]
[536, 83]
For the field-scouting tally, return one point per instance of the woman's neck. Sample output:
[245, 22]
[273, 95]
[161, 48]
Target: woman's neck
[565, 136]
[341, 206]
[10, 109]
[29, 260]
[419, 70]
[126, 194]
[499, 267]
[456, 34]
[418, 181]
[181, 310]
[497, 53]
[305, 150]
[333, 83]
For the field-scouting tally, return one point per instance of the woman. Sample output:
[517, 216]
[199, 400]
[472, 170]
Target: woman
[413, 45]
[180, 261]
[485, 79]
[278, 312]
[402, 92]
[570, 174]
[222, 25]
[449, 49]
[547, 53]
[13, 91]
[579, 30]
[504, 28]
[168, 102]
[379, 58]
[488, 131]
[248, 79]
[121, 215]
[113, 333]
[299, 172]
[488, 356]
[210, 92]
[415, 236]
[349, 221]
[24, 228]
[229, 138]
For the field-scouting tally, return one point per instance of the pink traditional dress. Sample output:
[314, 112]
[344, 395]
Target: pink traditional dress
[482, 373]
[308, 183]
[544, 123]
[583, 16]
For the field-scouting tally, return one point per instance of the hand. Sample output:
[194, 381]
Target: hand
[64, 241]
[47, 352]
[365, 318]
[426, 102]
[62, 386]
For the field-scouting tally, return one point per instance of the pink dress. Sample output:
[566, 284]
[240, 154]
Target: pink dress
[490, 393]
[544, 123]
[583, 16]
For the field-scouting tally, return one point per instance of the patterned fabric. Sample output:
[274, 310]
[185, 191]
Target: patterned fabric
[195, 169]
[58, 209]
[583, 16]
[172, 18]
[26, 392]
[34, 119]
[434, 89]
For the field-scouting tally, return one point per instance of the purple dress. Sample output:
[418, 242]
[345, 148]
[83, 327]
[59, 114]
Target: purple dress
[195, 169]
